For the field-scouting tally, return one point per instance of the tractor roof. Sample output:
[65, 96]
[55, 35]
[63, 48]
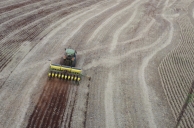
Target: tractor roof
[70, 51]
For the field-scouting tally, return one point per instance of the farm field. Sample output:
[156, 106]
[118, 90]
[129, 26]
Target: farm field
[139, 54]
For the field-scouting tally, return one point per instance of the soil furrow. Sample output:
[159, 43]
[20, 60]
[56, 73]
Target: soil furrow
[48, 99]
[53, 104]
[62, 99]
[66, 105]
[41, 104]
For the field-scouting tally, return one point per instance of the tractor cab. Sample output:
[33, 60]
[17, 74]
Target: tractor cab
[69, 58]
[70, 53]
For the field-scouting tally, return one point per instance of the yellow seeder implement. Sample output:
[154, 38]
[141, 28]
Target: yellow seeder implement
[65, 72]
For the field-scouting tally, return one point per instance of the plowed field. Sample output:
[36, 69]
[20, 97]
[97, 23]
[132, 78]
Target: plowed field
[139, 54]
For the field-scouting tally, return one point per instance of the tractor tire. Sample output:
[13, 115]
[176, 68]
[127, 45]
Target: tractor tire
[62, 61]
[74, 62]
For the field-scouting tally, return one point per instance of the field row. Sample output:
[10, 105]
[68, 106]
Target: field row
[177, 72]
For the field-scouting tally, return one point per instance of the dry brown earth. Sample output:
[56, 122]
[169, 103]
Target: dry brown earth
[139, 54]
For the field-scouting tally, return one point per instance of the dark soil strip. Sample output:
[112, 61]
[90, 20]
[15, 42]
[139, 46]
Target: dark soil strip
[48, 100]
[11, 7]
[60, 109]
[63, 117]
[41, 103]
[51, 105]
[49, 111]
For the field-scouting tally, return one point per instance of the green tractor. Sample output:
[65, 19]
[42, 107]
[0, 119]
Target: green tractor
[69, 58]
[66, 69]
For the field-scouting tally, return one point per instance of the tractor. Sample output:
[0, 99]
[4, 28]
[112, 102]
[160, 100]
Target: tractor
[66, 70]
[69, 58]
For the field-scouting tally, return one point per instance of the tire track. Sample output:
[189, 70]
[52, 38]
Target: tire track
[108, 101]
[116, 35]
[117, 59]
[109, 19]
[97, 20]
[141, 35]
[81, 25]
[145, 90]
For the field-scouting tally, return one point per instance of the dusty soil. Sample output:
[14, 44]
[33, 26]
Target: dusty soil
[138, 53]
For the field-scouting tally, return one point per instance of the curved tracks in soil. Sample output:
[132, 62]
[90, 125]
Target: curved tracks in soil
[117, 42]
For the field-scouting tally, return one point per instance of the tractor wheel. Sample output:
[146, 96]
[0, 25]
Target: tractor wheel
[74, 62]
[62, 61]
